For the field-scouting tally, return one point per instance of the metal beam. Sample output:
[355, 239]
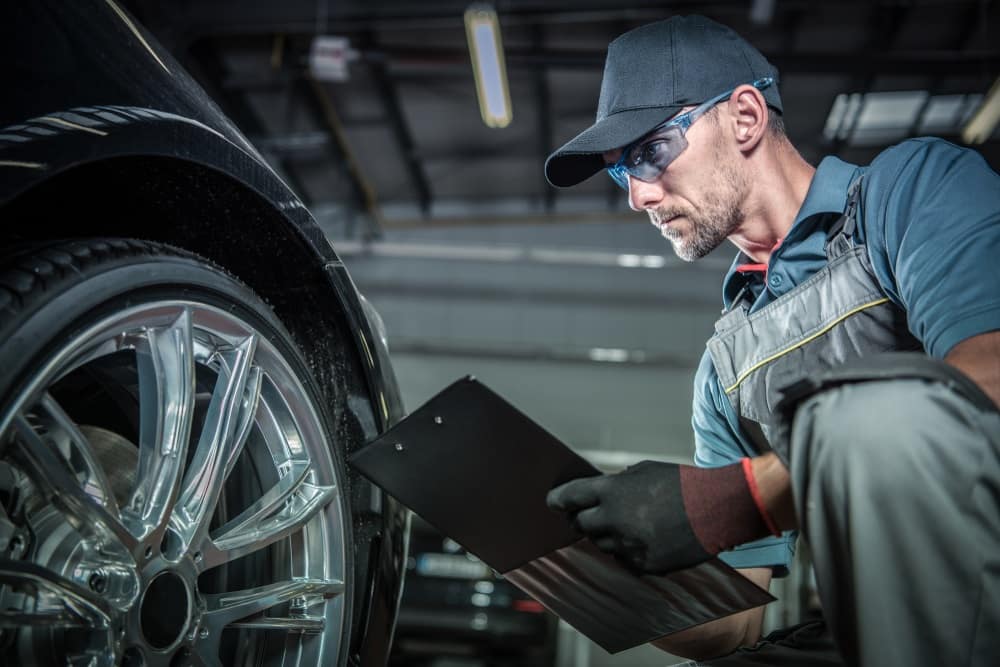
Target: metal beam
[444, 62]
[871, 60]
[544, 105]
[318, 102]
[401, 130]
[185, 22]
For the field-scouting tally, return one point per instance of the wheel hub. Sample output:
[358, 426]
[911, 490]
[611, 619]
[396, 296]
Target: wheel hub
[165, 612]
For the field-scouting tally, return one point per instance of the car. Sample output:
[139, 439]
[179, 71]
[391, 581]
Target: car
[185, 364]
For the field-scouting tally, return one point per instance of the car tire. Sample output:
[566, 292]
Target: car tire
[170, 486]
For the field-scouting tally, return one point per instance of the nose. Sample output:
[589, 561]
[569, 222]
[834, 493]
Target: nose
[643, 195]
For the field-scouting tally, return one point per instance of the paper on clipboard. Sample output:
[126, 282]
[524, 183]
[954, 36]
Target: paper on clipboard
[478, 469]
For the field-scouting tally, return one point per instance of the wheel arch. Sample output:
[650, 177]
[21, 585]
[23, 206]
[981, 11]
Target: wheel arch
[188, 205]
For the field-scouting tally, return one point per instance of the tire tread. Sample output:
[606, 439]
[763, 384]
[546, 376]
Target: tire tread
[35, 269]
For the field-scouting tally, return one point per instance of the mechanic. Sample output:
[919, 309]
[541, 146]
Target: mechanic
[850, 389]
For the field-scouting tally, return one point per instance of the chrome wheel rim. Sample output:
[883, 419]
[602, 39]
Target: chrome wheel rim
[229, 535]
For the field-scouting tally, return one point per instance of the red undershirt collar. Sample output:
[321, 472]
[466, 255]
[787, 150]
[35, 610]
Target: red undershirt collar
[760, 268]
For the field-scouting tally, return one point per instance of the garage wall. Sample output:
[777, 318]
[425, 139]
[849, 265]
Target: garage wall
[603, 356]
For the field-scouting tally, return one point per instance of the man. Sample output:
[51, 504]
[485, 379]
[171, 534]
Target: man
[889, 464]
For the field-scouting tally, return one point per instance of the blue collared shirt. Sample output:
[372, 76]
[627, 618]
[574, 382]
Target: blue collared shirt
[930, 217]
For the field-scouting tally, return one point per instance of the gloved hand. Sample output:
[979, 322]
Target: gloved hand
[660, 517]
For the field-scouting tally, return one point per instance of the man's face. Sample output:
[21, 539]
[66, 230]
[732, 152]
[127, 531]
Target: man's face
[696, 201]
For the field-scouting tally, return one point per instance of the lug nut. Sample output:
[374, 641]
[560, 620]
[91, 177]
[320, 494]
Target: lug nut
[17, 546]
[98, 583]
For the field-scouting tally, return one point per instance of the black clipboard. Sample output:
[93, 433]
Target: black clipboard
[478, 469]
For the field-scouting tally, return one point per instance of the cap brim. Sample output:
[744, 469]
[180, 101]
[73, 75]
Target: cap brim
[581, 157]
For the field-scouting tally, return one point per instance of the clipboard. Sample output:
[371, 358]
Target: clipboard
[478, 469]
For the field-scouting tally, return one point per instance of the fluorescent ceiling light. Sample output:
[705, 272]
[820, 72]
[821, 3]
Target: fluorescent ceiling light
[943, 113]
[612, 354]
[483, 33]
[886, 117]
[761, 12]
[882, 118]
[985, 120]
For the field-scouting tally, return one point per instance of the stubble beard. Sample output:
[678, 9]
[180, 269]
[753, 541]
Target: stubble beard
[717, 217]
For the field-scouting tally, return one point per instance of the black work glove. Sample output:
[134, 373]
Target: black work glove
[660, 517]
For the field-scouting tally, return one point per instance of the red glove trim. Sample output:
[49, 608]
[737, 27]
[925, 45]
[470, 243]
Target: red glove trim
[757, 499]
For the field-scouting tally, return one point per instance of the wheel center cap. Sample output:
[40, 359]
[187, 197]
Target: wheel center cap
[165, 610]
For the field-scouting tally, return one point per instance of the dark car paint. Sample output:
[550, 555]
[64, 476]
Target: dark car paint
[102, 133]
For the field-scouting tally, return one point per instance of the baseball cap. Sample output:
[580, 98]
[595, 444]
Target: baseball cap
[650, 74]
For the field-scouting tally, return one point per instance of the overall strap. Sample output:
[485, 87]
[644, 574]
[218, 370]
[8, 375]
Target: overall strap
[839, 238]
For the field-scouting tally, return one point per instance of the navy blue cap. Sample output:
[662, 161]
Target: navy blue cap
[650, 74]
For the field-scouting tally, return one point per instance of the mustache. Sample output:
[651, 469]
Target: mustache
[658, 215]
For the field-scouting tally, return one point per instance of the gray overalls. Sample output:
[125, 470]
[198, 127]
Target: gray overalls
[839, 315]
[895, 467]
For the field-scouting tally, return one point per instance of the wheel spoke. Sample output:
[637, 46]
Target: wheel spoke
[307, 625]
[166, 394]
[79, 454]
[284, 509]
[227, 424]
[91, 659]
[226, 608]
[58, 602]
[49, 471]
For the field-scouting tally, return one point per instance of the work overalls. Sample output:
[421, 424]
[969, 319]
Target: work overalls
[894, 461]
[838, 315]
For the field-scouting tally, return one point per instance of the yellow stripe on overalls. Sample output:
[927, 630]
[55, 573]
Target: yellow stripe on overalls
[819, 333]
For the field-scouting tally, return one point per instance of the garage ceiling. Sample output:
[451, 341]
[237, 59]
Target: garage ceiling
[400, 142]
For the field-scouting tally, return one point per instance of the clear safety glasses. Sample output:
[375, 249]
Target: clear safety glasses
[649, 156]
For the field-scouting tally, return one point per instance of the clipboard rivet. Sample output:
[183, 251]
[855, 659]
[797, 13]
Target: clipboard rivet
[399, 446]
[438, 420]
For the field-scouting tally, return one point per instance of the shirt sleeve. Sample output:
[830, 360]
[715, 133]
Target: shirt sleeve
[931, 213]
[718, 442]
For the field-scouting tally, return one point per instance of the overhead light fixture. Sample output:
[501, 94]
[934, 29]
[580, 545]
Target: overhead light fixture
[762, 12]
[980, 127]
[482, 30]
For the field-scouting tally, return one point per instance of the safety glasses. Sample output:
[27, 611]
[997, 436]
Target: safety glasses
[649, 156]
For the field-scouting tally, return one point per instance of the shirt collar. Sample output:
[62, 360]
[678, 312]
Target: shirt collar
[827, 195]
[828, 190]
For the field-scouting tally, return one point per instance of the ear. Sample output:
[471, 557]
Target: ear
[750, 115]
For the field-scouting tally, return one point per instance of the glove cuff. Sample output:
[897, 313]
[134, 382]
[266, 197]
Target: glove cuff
[721, 507]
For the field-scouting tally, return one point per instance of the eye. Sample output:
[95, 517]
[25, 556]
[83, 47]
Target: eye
[654, 149]
[639, 154]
